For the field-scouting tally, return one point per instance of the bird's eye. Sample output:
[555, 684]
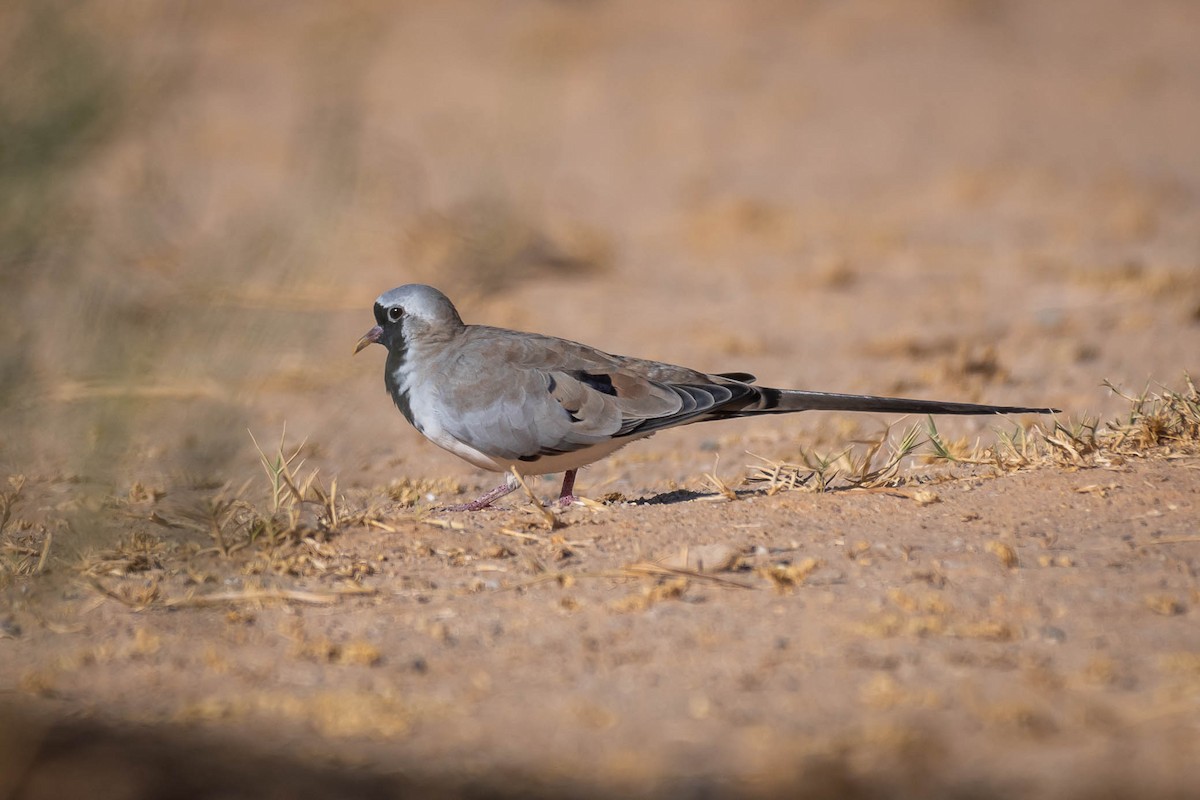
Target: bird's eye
[395, 313]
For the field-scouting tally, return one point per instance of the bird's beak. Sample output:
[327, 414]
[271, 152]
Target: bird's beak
[370, 337]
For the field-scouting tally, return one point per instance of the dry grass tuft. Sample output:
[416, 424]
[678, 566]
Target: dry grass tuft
[9, 498]
[289, 535]
[303, 513]
[24, 547]
[135, 553]
[1167, 421]
[724, 491]
[864, 465]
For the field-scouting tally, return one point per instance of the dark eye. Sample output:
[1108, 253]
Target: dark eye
[395, 313]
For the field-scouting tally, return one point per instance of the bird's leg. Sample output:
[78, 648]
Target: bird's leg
[485, 500]
[565, 497]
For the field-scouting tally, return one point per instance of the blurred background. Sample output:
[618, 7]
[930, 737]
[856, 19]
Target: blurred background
[199, 202]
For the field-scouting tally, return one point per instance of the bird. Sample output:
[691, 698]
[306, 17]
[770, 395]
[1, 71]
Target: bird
[508, 401]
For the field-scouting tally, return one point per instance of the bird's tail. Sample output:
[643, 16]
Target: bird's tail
[780, 401]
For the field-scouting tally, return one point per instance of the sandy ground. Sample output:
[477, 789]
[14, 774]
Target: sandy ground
[994, 202]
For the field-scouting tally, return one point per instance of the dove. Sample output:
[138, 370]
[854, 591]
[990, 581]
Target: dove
[504, 400]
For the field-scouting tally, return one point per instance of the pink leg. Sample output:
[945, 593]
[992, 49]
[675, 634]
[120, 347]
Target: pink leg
[566, 496]
[484, 500]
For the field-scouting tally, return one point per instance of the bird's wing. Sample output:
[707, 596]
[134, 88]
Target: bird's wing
[522, 396]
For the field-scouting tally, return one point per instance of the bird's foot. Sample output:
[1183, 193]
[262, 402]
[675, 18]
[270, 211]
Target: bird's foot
[564, 501]
[566, 498]
[483, 501]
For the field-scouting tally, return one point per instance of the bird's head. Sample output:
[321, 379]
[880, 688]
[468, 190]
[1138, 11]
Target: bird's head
[407, 312]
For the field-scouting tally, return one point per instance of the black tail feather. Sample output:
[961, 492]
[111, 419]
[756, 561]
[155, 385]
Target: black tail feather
[780, 401]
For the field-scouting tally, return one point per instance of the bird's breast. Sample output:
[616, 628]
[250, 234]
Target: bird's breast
[398, 378]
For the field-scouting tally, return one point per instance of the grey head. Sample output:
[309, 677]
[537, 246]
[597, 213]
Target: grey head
[409, 313]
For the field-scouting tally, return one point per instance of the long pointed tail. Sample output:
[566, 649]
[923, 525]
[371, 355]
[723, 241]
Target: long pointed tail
[786, 400]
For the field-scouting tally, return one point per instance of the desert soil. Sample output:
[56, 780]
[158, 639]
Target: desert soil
[995, 202]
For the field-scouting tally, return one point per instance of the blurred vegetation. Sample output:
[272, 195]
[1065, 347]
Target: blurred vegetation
[60, 101]
[125, 271]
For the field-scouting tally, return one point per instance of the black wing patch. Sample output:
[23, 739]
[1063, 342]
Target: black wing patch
[600, 381]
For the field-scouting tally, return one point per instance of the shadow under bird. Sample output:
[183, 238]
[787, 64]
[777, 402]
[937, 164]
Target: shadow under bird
[502, 399]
